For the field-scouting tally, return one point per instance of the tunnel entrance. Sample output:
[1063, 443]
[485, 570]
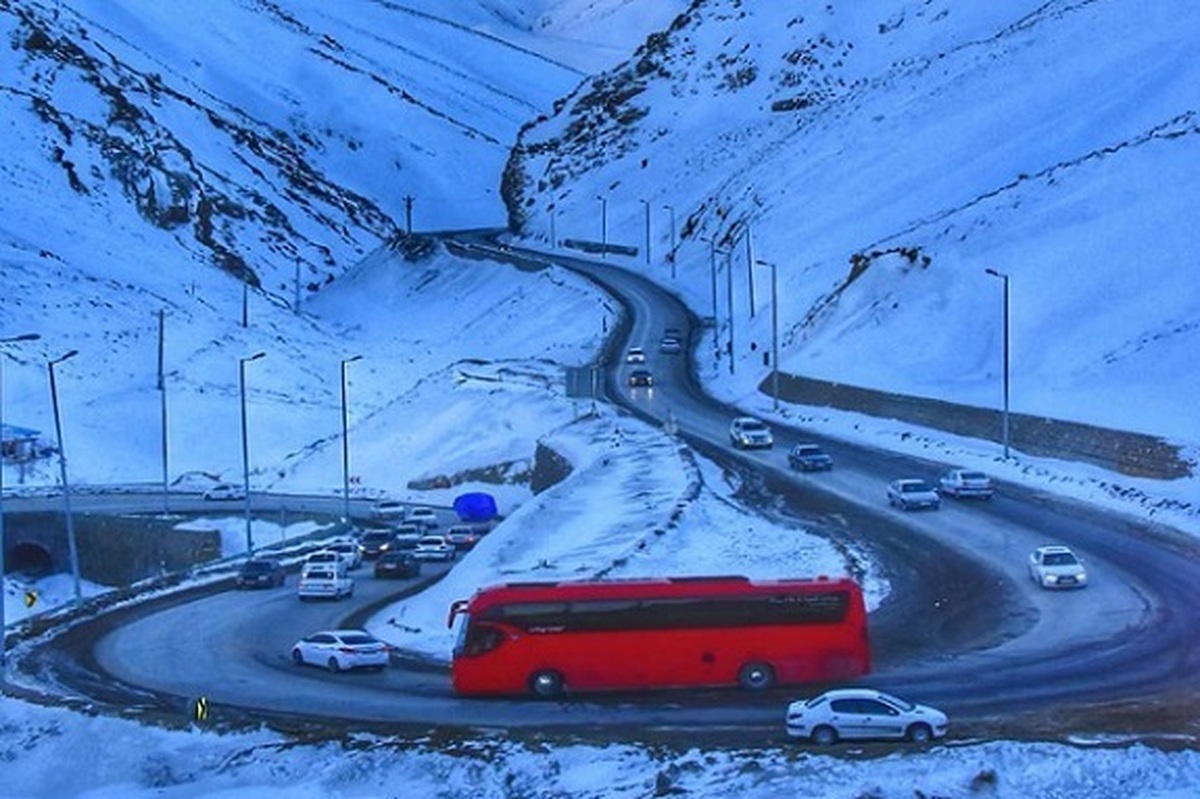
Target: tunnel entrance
[30, 559]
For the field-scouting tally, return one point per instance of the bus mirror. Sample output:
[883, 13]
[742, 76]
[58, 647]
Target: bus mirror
[456, 607]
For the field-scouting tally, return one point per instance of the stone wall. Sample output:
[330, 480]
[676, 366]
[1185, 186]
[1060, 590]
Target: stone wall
[1134, 454]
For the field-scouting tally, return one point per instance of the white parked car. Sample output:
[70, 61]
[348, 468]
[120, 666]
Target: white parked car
[1057, 567]
[225, 491]
[858, 713]
[963, 483]
[324, 582]
[434, 547]
[911, 493]
[746, 432]
[387, 509]
[350, 551]
[424, 517]
[340, 650]
[635, 355]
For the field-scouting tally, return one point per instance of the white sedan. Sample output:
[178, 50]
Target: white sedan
[1057, 567]
[424, 517]
[225, 491]
[863, 713]
[349, 551]
[341, 650]
[911, 493]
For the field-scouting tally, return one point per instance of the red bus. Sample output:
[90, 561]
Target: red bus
[549, 638]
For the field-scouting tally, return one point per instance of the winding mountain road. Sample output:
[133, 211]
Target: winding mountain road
[963, 627]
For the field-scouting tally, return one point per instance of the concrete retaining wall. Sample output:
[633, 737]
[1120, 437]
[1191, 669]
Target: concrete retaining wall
[1134, 454]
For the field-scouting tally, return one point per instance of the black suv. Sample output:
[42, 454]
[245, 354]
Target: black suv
[375, 542]
[260, 573]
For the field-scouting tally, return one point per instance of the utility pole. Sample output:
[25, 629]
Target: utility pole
[729, 301]
[646, 204]
[162, 393]
[72, 547]
[408, 211]
[774, 332]
[603, 226]
[750, 268]
[1004, 421]
[671, 208]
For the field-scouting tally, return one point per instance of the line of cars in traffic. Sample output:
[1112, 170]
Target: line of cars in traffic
[1050, 566]
[640, 376]
[397, 540]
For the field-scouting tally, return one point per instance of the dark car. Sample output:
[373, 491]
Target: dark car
[641, 377]
[375, 542]
[260, 573]
[809, 458]
[397, 564]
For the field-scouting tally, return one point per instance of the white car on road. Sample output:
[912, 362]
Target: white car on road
[910, 493]
[225, 491]
[388, 509]
[350, 551]
[341, 650]
[425, 517]
[324, 582]
[962, 483]
[1057, 567]
[434, 547]
[746, 432]
[863, 713]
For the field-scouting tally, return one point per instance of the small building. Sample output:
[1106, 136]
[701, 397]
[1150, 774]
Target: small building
[18, 444]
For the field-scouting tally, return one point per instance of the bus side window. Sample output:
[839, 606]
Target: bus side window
[482, 638]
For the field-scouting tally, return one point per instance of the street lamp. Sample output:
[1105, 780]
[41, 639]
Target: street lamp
[603, 225]
[646, 205]
[72, 548]
[1004, 422]
[346, 443]
[3, 543]
[671, 208]
[245, 446]
[774, 331]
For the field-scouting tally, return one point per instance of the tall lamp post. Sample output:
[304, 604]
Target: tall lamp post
[671, 209]
[1004, 421]
[3, 544]
[346, 443]
[646, 206]
[72, 548]
[774, 331]
[603, 225]
[245, 446]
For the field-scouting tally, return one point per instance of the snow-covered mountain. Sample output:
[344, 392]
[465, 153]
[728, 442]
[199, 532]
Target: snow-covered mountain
[883, 155]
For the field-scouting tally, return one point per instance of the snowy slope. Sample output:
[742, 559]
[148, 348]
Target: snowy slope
[1056, 142]
[256, 137]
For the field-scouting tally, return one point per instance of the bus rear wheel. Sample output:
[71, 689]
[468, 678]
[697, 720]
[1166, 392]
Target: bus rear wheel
[546, 684]
[756, 676]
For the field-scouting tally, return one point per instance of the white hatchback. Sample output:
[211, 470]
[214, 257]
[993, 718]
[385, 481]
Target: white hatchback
[340, 650]
[863, 713]
[434, 547]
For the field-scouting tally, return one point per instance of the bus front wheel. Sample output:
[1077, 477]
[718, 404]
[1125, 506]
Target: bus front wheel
[546, 684]
[756, 676]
